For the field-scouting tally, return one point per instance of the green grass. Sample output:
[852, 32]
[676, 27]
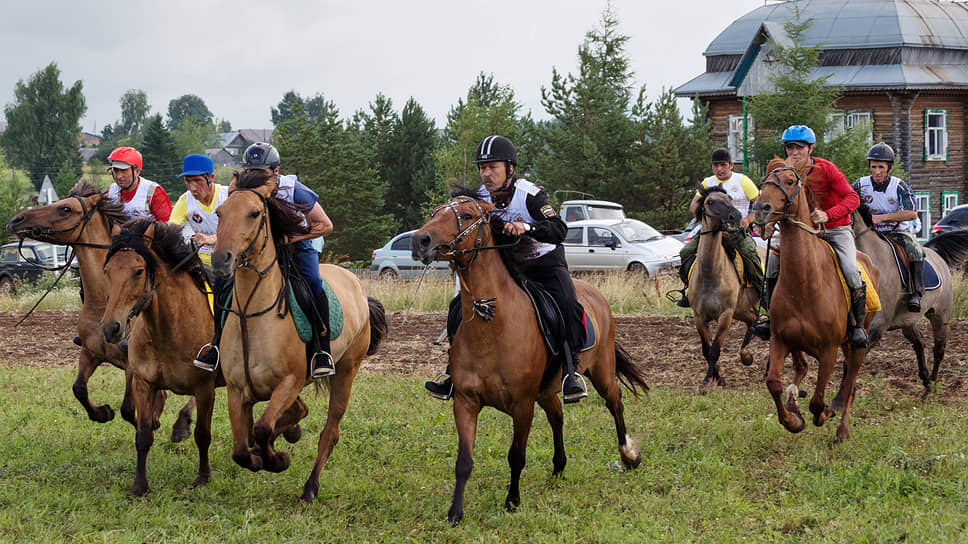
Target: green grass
[715, 468]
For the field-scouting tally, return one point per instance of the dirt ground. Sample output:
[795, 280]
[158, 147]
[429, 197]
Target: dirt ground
[667, 347]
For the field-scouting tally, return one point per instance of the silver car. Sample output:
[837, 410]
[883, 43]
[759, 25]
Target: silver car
[393, 260]
[620, 244]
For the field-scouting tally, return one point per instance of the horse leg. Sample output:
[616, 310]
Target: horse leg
[145, 397]
[181, 430]
[940, 328]
[913, 336]
[849, 388]
[608, 388]
[205, 398]
[552, 408]
[745, 355]
[240, 416]
[465, 418]
[340, 387]
[127, 403]
[522, 418]
[86, 365]
[288, 424]
[818, 406]
[265, 430]
[790, 419]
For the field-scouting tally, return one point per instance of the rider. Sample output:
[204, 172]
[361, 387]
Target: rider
[743, 191]
[892, 205]
[141, 196]
[196, 206]
[836, 202]
[524, 208]
[263, 156]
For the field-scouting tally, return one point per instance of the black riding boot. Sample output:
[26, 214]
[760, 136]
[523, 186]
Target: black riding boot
[762, 329]
[684, 276]
[858, 313]
[572, 385]
[322, 364]
[917, 286]
[442, 387]
[207, 357]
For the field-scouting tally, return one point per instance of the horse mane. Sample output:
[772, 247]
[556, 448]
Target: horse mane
[865, 214]
[704, 192]
[167, 243]
[111, 209]
[285, 218]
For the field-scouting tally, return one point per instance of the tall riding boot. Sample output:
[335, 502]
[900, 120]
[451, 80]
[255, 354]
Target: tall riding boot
[322, 364]
[208, 357]
[441, 387]
[858, 313]
[572, 386]
[762, 329]
[683, 302]
[917, 286]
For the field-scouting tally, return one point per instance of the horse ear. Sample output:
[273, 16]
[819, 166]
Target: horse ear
[149, 234]
[235, 181]
[270, 186]
[115, 230]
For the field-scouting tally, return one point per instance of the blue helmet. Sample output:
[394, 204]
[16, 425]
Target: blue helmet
[799, 133]
[196, 165]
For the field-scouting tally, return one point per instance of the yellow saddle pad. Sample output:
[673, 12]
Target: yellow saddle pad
[737, 263]
[873, 301]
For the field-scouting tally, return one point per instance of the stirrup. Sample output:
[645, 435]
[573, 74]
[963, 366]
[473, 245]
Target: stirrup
[574, 396]
[205, 365]
[325, 366]
[441, 387]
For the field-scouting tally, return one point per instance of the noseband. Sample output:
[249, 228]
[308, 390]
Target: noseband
[263, 226]
[464, 232]
[772, 178]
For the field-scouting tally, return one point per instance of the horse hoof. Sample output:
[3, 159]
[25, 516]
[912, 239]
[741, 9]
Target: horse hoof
[278, 462]
[139, 489]
[293, 434]
[309, 493]
[102, 414]
[177, 435]
[201, 480]
[511, 505]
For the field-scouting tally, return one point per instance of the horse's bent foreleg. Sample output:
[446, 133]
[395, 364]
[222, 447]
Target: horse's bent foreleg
[791, 420]
[265, 430]
[240, 416]
[86, 365]
[552, 408]
[465, 417]
[288, 423]
[203, 433]
[181, 430]
[144, 398]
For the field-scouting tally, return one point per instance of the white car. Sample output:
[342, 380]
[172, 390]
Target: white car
[581, 210]
[393, 260]
[620, 244]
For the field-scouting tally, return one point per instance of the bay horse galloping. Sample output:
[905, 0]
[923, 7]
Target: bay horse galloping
[262, 356]
[936, 303]
[498, 356]
[808, 313]
[158, 301]
[84, 221]
[716, 291]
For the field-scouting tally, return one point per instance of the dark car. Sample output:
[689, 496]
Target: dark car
[956, 218]
[25, 265]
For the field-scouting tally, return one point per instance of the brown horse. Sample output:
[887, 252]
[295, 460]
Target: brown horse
[502, 361]
[808, 313]
[262, 356]
[716, 292]
[84, 221]
[154, 274]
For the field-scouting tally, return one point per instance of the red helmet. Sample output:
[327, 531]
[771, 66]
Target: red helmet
[124, 158]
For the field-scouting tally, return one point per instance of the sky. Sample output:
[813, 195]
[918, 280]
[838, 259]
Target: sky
[242, 56]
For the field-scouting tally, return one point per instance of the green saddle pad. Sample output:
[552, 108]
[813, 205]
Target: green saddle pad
[303, 326]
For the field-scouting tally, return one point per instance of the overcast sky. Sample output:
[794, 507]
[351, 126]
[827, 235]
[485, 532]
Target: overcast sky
[241, 56]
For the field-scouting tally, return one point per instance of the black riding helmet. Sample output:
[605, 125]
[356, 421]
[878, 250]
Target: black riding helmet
[881, 152]
[496, 148]
[260, 155]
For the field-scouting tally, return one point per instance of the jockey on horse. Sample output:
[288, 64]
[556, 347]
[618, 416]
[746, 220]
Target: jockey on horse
[524, 208]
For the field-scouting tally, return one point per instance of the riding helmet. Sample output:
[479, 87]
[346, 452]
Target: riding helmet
[496, 148]
[881, 152]
[721, 155]
[260, 155]
[799, 133]
[125, 157]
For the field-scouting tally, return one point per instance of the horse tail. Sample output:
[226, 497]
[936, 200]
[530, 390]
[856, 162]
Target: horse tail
[952, 246]
[379, 327]
[628, 371]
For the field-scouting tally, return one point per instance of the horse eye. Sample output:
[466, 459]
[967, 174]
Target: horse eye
[254, 214]
[467, 217]
[65, 209]
[139, 272]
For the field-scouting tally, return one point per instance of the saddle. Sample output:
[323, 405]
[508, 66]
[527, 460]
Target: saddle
[550, 321]
[872, 302]
[931, 278]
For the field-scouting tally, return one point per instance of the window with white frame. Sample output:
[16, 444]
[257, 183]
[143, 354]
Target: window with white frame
[861, 120]
[922, 202]
[935, 135]
[734, 137]
[949, 199]
[836, 125]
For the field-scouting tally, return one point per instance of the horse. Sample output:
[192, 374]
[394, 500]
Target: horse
[936, 304]
[716, 292]
[808, 313]
[84, 221]
[252, 230]
[158, 301]
[501, 360]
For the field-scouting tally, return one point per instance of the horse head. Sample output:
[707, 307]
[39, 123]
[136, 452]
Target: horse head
[716, 210]
[243, 222]
[455, 229]
[64, 222]
[130, 270]
[779, 192]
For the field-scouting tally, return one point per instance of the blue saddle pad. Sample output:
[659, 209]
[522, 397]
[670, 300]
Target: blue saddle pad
[931, 279]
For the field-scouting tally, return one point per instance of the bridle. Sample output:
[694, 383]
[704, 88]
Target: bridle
[772, 178]
[722, 220]
[463, 233]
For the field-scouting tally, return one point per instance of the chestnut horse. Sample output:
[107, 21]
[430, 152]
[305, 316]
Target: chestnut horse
[716, 292]
[503, 361]
[808, 313]
[84, 221]
[262, 357]
[158, 301]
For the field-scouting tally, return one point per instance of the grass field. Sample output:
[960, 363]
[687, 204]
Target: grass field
[716, 468]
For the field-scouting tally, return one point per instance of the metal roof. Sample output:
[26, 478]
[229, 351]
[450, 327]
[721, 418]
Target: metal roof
[856, 24]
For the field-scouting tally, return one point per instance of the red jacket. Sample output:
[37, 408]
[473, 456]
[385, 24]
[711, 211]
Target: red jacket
[832, 192]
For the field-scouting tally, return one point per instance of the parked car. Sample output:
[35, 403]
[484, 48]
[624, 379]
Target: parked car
[581, 210]
[393, 260]
[688, 233]
[620, 244]
[15, 266]
[956, 218]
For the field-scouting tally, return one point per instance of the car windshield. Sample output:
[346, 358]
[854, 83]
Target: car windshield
[605, 213]
[636, 231]
[46, 253]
